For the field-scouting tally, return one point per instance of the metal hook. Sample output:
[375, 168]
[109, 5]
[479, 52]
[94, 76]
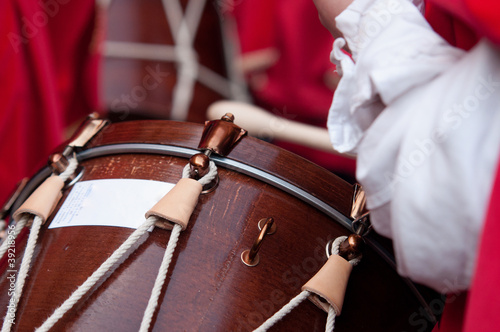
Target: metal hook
[250, 257]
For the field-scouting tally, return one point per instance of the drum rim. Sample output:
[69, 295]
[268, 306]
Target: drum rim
[182, 152]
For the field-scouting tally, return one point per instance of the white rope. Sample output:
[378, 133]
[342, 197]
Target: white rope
[207, 178]
[160, 279]
[229, 89]
[169, 251]
[73, 164]
[283, 311]
[28, 252]
[70, 169]
[330, 321]
[19, 227]
[174, 13]
[98, 274]
[23, 272]
[183, 27]
[194, 11]
[183, 90]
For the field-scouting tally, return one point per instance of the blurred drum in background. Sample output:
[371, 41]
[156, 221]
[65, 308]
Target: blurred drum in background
[166, 60]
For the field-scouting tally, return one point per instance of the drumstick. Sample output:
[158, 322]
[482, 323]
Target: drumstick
[260, 123]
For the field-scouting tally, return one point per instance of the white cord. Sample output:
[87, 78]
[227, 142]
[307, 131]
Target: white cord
[169, 251]
[73, 164]
[70, 169]
[330, 321]
[160, 279]
[98, 274]
[23, 272]
[283, 311]
[188, 65]
[28, 252]
[19, 227]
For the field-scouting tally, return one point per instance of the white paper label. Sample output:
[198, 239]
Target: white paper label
[111, 202]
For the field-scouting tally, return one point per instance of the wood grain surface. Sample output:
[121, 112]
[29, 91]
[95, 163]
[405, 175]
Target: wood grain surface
[208, 288]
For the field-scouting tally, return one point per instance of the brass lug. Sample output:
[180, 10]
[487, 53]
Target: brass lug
[199, 165]
[220, 136]
[352, 247]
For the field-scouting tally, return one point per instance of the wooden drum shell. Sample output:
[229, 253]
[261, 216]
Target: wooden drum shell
[208, 288]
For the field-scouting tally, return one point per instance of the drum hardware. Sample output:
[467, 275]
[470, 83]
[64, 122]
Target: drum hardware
[199, 164]
[271, 230]
[358, 202]
[362, 225]
[326, 289]
[33, 213]
[219, 137]
[90, 127]
[59, 163]
[250, 257]
[7, 207]
[97, 154]
[199, 167]
[352, 247]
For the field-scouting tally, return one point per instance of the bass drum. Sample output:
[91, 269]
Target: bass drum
[208, 288]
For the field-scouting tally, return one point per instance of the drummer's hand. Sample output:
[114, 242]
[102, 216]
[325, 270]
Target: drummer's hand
[328, 10]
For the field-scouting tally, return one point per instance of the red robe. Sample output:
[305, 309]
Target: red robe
[463, 23]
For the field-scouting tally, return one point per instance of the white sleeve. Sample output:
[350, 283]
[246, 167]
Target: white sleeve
[423, 117]
[394, 50]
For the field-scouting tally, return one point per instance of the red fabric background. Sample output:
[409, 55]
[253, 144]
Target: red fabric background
[48, 80]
